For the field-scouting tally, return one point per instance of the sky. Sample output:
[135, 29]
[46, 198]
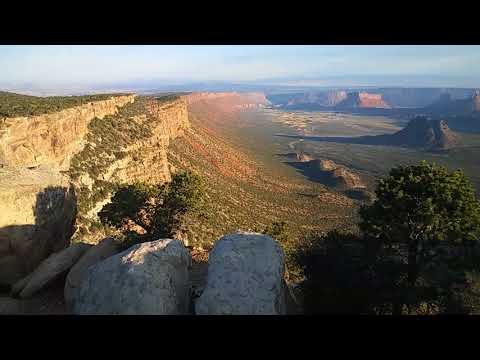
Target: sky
[81, 65]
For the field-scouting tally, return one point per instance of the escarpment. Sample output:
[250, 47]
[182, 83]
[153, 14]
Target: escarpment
[128, 147]
[363, 100]
[58, 169]
[52, 138]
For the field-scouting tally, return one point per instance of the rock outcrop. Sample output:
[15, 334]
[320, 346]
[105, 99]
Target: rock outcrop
[363, 100]
[333, 100]
[37, 216]
[147, 279]
[44, 187]
[49, 270]
[331, 174]
[52, 138]
[104, 249]
[447, 105]
[147, 159]
[134, 149]
[245, 277]
[421, 132]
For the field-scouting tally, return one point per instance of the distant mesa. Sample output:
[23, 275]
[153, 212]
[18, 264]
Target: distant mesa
[446, 105]
[476, 100]
[420, 133]
[335, 176]
[308, 100]
[324, 99]
[363, 100]
[333, 100]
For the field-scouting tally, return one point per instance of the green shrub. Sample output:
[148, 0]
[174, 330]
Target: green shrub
[418, 252]
[158, 209]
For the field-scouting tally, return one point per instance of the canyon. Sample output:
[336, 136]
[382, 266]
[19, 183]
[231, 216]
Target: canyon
[58, 169]
[265, 166]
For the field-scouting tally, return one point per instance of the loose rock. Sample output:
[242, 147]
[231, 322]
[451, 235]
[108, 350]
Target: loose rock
[150, 279]
[51, 268]
[104, 249]
[245, 277]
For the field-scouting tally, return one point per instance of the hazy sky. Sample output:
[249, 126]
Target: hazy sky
[317, 65]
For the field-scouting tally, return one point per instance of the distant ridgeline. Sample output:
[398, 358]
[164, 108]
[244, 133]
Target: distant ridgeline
[460, 108]
[373, 98]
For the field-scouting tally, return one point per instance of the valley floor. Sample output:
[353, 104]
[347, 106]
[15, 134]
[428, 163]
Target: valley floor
[370, 161]
[252, 182]
[249, 185]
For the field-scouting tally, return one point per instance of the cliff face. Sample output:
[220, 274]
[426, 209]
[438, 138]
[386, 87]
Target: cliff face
[363, 100]
[59, 169]
[447, 105]
[130, 146]
[336, 99]
[147, 158]
[52, 138]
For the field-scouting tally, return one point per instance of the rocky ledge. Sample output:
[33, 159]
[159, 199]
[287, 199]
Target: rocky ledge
[245, 276]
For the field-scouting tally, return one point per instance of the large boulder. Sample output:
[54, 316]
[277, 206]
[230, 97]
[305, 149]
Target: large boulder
[37, 216]
[10, 306]
[11, 269]
[147, 279]
[245, 277]
[50, 269]
[104, 249]
[17, 288]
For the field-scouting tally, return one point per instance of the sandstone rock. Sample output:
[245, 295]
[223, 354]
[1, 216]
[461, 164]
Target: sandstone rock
[10, 306]
[149, 279]
[53, 138]
[37, 215]
[331, 174]
[20, 285]
[363, 100]
[106, 248]
[52, 267]
[245, 277]
[422, 132]
[11, 269]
